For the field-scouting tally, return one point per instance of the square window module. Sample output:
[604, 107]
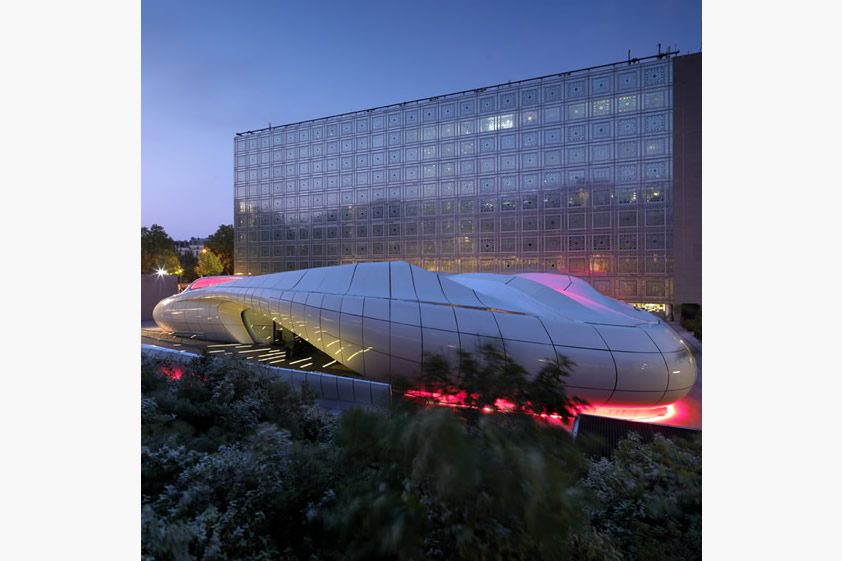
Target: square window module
[530, 244]
[655, 123]
[576, 176]
[429, 113]
[486, 104]
[429, 132]
[508, 184]
[627, 219]
[655, 100]
[654, 75]
[529, 97]
[378, 122]
[600, 85]
[447, 110]
[576, 243]
[628, 127]
[655, 170]
[529, 223]
[488, 184]
[552, 93]
[508, 162]
[507, 100]
[528, 118]
[552, 179]
[576, 133]
[467, 127]
[576, 111]
[346, 128]
[628, 80]
[601, 197]
[601, 242]
[410, 135]
[626, 103]
[576, 221]
[394, 120]
[487, 144]
[529, 182]
[628, 173]
[655, 193]
[332, 130]
[601, 107]
[467, 107]
[447, 149]
[600, 152]
[655, 146]
[552, 136]
[601, 219]
[410, 117]
[552, 158]
[576, 155]
[627, 242]
[362, 125]
[577, 88]
[628, 149]
[655, 217]
[552, 114]
[529, 160]
[529, 139]
[654, 289]
[447, 130]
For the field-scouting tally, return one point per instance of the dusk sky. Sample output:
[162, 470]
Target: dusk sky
[211, 69]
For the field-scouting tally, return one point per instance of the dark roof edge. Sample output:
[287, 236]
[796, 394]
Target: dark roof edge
[629, 61]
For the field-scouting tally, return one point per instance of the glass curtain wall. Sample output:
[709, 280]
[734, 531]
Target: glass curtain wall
[567, 173]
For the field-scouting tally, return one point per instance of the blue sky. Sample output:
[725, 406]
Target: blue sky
[214, 68]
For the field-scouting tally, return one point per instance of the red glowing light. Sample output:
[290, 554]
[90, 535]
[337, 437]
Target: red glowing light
[656, 414]
[205, 282]
[172, 372]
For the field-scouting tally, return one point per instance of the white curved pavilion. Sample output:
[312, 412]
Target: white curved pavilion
[380, 319]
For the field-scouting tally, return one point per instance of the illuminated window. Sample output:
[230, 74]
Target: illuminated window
[626, 103]
[488, 124]
[601, 107]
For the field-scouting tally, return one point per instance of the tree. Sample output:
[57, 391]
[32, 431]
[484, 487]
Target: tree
[221, 243]
[209, 264]
[157, 250]
[188, 265]
[496, 383]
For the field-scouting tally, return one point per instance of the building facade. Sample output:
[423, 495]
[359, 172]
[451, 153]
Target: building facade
[572, 173]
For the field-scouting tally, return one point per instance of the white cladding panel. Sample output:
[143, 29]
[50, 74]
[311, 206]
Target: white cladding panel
[379, 319]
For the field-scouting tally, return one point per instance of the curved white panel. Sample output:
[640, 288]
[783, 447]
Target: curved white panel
[378, 319]
[592, 369]
[628, 339]
[640, 371]
[522, 328]
[438, 317]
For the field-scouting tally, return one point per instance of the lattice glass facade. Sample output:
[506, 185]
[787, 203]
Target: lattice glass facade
[569, 172]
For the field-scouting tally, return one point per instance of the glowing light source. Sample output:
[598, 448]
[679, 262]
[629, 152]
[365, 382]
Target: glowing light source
[161, 272]
[656, 414]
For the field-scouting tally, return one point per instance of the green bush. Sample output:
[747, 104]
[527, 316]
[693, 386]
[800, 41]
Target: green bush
[647, 503]
[237, 465]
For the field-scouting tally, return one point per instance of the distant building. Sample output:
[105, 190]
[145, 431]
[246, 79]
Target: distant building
[593, 172]
[193, 246]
